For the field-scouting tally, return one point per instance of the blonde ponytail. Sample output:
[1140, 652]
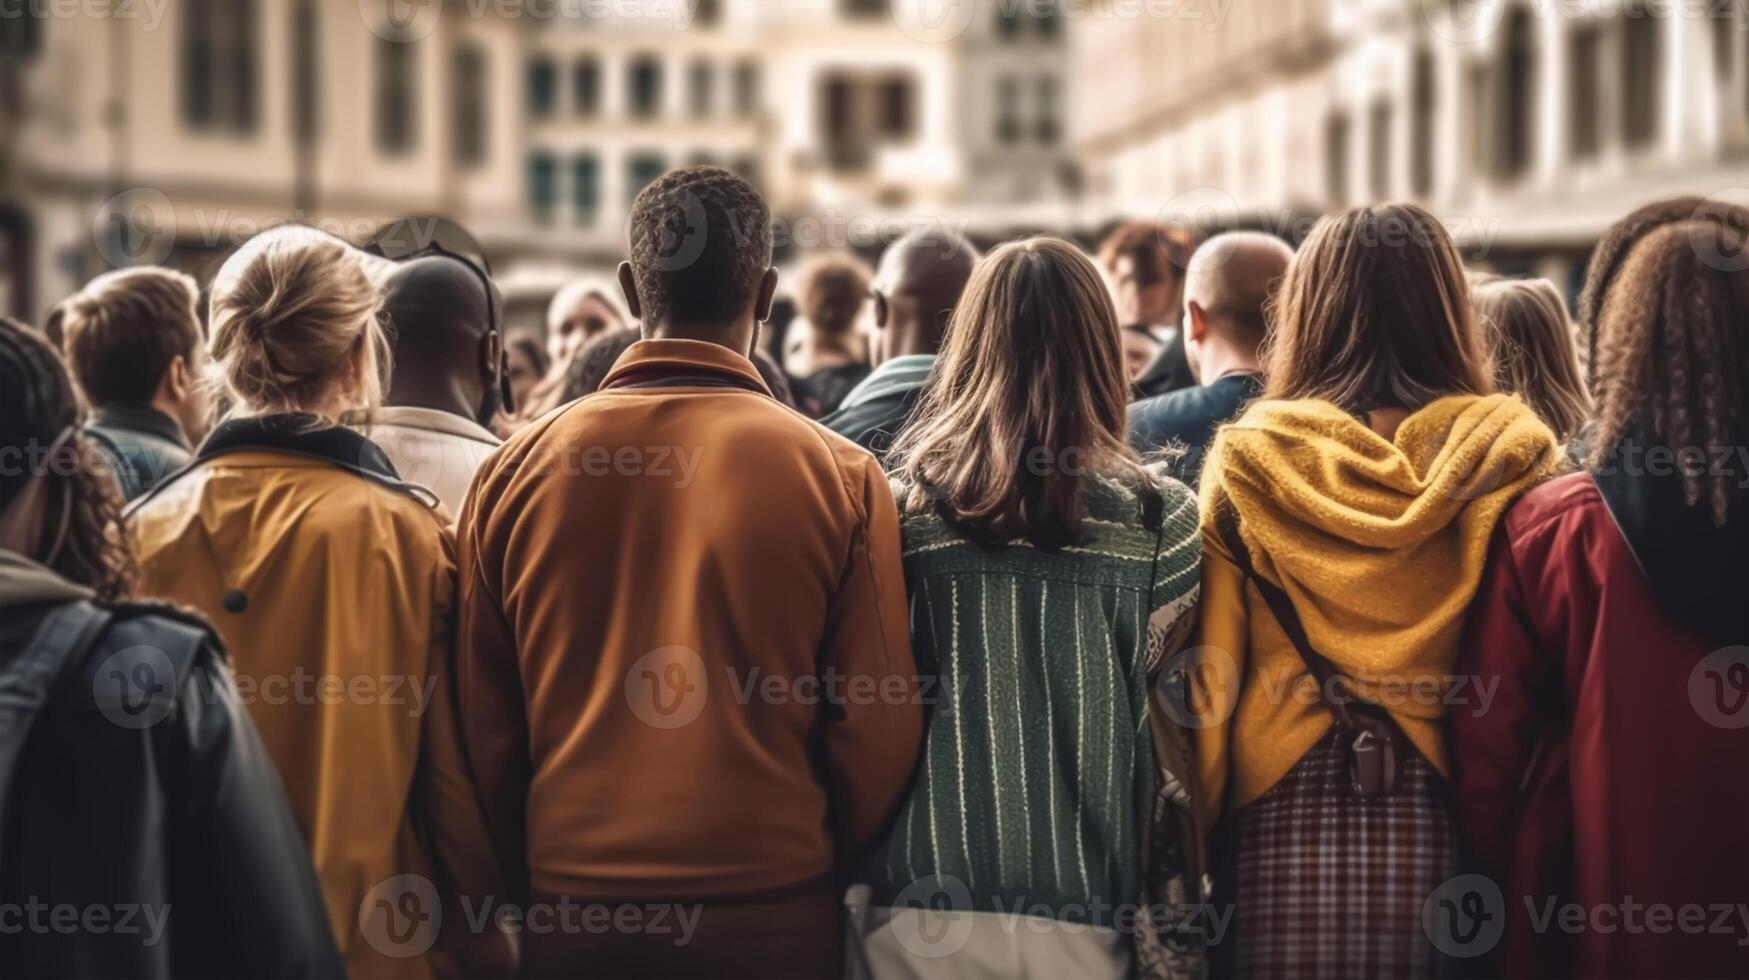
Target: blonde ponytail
[295, 328]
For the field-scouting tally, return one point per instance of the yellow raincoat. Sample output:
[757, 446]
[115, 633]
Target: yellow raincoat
[332, 584]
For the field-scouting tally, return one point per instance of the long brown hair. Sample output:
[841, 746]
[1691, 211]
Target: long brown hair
[40, 439]
[1375, 313]
[1672, 342]
[1029, 397]
[1530, 341]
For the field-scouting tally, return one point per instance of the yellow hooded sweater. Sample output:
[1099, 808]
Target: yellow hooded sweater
[1379, 543]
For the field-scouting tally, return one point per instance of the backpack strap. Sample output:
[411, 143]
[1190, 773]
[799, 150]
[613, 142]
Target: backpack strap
[1320, 667]
[61, 639]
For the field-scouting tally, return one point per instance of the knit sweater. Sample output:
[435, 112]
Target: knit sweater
[1380, 543]
[1037, 764]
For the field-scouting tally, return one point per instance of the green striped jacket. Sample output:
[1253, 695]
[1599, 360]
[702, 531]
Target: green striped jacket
[1037, 762]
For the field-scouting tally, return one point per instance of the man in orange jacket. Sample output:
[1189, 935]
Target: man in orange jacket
[686, 679]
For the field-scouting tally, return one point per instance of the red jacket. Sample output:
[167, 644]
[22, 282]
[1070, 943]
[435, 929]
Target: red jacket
[1593, 778]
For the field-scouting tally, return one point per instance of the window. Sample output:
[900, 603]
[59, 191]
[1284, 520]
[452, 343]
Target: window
[747, 167]
[864, 9]
[218, 64]
[641, 170]
[306, 82]
[586, 86]
[1048, 21]
[1477, 82]
[1008, 21]
[586, 188]
[1007, 111]
[1050, 129]
[21, 32]
[543, 87]
[896, 108]
[1640, 67]
[1379, 150]
[397, 107]
[645, 85]
[1584, 138]
[543, 185]
[1517, 93]
[1421, 140]
[1336, 159]
[700, 81]
[707, 13]
[468, 97]
[746, 89]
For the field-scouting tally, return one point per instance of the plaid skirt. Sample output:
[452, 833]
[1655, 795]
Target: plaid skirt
[1328, 885]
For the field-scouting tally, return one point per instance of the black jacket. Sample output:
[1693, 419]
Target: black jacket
[143, 445]
[1169, 371]
[145, 832]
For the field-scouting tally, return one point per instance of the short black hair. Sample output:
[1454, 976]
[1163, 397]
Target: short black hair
[700, 241]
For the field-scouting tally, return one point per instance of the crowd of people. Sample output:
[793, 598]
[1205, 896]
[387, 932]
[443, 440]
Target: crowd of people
[1194, 608]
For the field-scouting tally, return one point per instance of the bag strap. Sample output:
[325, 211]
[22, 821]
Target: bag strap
[61, 639]
[1321, 669]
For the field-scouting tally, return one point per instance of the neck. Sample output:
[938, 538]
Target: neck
[441, 394]
[167, 408]
[903, 340]
[737, 336]
[1216, 356]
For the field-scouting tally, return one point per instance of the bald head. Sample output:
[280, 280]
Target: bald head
[916, 287]
[1230, 279]
[439, 316]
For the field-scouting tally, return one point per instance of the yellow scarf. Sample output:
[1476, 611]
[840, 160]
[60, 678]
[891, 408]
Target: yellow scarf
[1380, 544]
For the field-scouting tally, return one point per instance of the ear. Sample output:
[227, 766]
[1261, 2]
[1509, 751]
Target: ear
[1197, 321]
[881, 310]
[176, 380]
[628, 284]
[767, 292]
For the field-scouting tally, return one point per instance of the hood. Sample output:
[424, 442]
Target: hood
[1380, 543]
[24, 582]
[1697, 570]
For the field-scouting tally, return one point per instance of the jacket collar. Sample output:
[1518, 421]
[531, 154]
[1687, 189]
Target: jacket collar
[649, 360]
[303, 436]
[432, 420]
[140, 419]
[893, 378]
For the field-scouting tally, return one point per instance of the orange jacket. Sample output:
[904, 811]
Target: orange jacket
[662, 585]
[332, 584]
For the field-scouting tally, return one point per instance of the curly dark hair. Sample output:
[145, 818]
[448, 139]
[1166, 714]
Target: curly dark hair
[700, 241]
[1666, 304]
[38, 407]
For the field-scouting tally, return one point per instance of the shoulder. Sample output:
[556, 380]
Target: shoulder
[1561, 501]
[145, 660]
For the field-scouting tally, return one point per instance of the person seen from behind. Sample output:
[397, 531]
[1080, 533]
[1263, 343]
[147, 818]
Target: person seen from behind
[131, 777]
[1228, 287]
[648, 726]
[1049, 575]
[1144, 263]
[133, 339]
[1530, 341]
[448, 383]
[829, 358]
[1612, 620]
[1350, 508]
[297, 539]
[916, 288]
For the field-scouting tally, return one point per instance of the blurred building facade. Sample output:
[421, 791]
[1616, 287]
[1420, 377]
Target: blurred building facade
[1528, 125]
[533, 122]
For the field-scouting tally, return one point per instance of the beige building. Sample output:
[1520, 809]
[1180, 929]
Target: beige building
[175, 131]
[1529, 125]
